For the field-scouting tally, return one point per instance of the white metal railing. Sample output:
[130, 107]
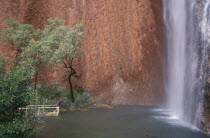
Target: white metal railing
[41, 110]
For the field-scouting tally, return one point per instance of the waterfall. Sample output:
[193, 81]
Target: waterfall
[186, 28]
[175, 21]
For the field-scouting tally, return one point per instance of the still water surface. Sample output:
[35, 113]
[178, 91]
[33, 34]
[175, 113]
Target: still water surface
[120, 122]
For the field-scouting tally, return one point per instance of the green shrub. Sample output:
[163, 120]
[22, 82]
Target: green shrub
[51, 91]
[83, 98]
[2, 66]
[65, 103]
[15, 92]
[18, 128]
[49, 94]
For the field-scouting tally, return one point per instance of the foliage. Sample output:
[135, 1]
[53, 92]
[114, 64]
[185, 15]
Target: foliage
[66, 102]
[52, 91]
[56, 44]
[49, 94]
[15, 92]
[22, 38]
[19, 128]
[63, 40]
[2, 67]
[64, 43]
[37, 53]
[83, 98]
[19, 35]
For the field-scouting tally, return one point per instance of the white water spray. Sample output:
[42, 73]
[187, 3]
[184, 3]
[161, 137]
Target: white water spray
[175, 21]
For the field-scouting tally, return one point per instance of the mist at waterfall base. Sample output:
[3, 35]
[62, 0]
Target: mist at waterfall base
[187, 27]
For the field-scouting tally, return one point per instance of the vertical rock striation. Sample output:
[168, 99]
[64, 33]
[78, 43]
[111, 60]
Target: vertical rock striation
[122, 52]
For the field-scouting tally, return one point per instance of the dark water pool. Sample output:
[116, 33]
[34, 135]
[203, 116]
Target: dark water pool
[120, 122]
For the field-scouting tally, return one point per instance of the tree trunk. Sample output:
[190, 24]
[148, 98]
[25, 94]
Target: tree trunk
[35, 80]
[71, 89]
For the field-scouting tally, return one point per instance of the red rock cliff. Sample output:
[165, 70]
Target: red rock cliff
[121, 51]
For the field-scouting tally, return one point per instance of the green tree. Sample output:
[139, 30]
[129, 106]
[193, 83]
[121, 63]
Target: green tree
[56, 44]
[19, 35]
[38, 54]
[65, 44]
[22, 38]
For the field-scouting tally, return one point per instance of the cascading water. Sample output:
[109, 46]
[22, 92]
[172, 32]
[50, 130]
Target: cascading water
[175, 21]
[187, 24]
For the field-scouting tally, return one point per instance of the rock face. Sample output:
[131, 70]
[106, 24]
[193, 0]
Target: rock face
[205, 118]
[121, 51]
